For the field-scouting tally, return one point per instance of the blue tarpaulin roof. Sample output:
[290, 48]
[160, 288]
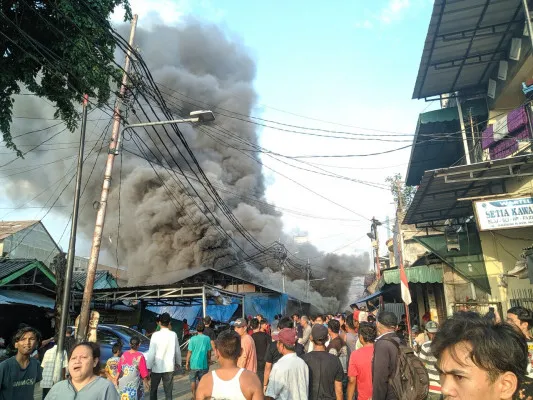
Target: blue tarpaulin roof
[370, 297]
[33, 299]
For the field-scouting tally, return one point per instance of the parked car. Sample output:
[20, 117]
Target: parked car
[109, 334]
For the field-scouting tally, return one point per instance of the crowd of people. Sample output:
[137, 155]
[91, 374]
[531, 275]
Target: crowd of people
[338, 357]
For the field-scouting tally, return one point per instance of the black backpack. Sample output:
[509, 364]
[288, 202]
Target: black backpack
[410, 381]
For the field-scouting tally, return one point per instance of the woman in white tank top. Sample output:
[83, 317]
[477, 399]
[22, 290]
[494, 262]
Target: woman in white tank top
[227, 390]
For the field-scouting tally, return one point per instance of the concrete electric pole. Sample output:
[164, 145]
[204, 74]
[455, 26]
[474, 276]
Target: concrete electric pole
[83, 325]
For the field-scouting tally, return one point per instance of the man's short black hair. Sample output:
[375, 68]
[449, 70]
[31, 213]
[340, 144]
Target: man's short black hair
[200, 327]
[295, 315]
[164, 319]
[263, 322]
[69, 330]
[228, 344]
[207, 320]
[351, 322]
[320, 316]
[523, 314]
[285, 322]
[254, 323]
[368, 332]
[334, 325]
[495, 348]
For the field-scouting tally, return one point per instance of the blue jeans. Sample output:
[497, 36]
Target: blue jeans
[196, 374]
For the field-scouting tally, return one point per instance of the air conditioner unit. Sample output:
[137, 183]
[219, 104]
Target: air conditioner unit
[502, 70]
[516, 46]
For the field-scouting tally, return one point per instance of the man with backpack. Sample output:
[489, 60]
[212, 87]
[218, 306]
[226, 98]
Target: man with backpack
[397, 373]
[385, 356]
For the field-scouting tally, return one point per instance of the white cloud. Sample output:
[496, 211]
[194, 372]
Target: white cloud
[393, 10]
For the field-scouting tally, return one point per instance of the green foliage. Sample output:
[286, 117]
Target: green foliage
[59, 50]
[398, 188]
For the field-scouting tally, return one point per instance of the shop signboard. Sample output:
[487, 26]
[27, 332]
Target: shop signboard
[504, 213]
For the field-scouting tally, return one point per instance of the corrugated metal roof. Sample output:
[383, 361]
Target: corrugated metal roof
[436, 197]
[79, 278]
[464, 43]
[29, 298]
[420, 274]
[9, 266]
[8, 228]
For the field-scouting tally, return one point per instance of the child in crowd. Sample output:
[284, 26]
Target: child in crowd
[111, 366]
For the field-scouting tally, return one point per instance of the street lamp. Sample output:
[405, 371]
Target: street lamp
[200, 116]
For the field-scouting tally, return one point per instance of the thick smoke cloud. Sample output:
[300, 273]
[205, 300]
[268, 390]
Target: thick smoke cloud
[165, 227]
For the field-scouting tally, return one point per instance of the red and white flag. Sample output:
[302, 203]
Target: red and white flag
[404, 285]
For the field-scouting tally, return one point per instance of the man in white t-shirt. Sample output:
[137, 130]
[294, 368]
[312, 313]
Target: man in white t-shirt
[289, 378]
[164, 356]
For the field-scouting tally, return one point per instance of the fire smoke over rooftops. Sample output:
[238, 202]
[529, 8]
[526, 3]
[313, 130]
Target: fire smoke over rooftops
[164, 227]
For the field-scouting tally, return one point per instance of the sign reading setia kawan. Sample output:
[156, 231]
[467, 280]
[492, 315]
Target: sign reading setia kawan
[505, 213]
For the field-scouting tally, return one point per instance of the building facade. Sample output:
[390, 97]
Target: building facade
[471, 160]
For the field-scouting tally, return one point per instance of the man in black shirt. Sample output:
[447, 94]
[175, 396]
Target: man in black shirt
[272, 355]
[325, 370]
[210, 333]
[262, 340]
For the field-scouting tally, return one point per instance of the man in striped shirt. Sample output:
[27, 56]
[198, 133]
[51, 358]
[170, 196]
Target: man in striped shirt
[430, 361]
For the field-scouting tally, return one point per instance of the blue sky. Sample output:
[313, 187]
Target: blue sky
[352, 63]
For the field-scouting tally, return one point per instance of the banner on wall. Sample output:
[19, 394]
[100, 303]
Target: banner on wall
[504, 213]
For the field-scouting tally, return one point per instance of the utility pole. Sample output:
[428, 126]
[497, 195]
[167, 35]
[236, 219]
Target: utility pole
[81, 334]
[65, 301]
[375, 224]
[308, 270]
[399, 211]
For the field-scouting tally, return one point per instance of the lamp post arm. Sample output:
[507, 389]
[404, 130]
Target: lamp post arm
[144, 124]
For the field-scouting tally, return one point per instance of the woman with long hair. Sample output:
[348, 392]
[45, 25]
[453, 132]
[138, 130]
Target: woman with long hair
[132, 371]
[84, 382]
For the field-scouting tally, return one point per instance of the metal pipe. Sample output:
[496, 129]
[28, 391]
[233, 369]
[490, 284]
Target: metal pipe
[65, 301]
[81, 334]
[463, 131]
[204, 303]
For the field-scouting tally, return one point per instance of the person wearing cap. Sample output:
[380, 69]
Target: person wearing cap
[430, 361]
[248, 357]
[325, 369]
[289, 378]
[272, 355]
[385, 356]
[164, 356]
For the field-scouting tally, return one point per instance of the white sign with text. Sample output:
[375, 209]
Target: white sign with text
[504, 213]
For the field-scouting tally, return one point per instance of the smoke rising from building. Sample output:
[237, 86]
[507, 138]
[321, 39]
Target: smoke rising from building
[166, 223]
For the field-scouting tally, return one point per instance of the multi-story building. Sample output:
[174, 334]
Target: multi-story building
[471, 160]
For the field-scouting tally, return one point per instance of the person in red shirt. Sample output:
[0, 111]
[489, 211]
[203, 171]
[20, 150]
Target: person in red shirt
[360, 365]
